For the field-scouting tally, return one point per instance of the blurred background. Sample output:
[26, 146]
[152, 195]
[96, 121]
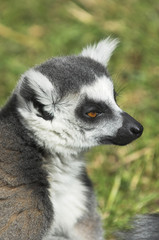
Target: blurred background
[125, 178]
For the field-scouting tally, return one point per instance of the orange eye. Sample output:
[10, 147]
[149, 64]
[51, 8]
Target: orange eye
[92, 114]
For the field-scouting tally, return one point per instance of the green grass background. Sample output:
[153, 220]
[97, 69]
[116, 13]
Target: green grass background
[125, 178]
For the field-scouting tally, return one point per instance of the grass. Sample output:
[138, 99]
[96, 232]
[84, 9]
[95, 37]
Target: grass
[125, 178]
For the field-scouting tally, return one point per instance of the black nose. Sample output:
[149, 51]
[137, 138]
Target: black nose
[137, 130]
[132, 126]
[130, 130]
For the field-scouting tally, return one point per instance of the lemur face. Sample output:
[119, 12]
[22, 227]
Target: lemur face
[100, 113]
[69, 103]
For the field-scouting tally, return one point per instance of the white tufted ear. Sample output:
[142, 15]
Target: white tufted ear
[36, 94]
[102, 51]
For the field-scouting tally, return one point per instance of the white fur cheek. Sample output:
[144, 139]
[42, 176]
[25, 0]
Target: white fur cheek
[41, 129]
[58, 135]
[74, 136]
[110, 128]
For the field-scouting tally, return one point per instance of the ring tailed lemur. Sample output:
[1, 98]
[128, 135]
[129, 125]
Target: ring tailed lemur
[58, 110]
[144, 227]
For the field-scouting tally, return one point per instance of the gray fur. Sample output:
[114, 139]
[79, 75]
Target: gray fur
[25, 209]
[45, 192]
[143, 227]
[70, 73]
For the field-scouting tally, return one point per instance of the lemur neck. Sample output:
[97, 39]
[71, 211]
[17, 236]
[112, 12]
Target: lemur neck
[64, 161]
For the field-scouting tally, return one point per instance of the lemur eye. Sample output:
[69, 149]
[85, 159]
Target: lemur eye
[92, 114]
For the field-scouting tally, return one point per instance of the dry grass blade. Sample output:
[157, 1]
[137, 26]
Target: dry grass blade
[80, 14]
[114, 192]
[25, 40]
[137, 155]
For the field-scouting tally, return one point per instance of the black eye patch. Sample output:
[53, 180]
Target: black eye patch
[88, 105]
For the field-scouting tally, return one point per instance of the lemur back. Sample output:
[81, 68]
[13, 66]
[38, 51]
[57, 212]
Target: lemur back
[25, 206]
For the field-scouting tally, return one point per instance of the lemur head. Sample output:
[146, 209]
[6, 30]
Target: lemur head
[69, 102]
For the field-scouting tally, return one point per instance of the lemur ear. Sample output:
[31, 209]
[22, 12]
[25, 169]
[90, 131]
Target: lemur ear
[102, 51]
[37, 93]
